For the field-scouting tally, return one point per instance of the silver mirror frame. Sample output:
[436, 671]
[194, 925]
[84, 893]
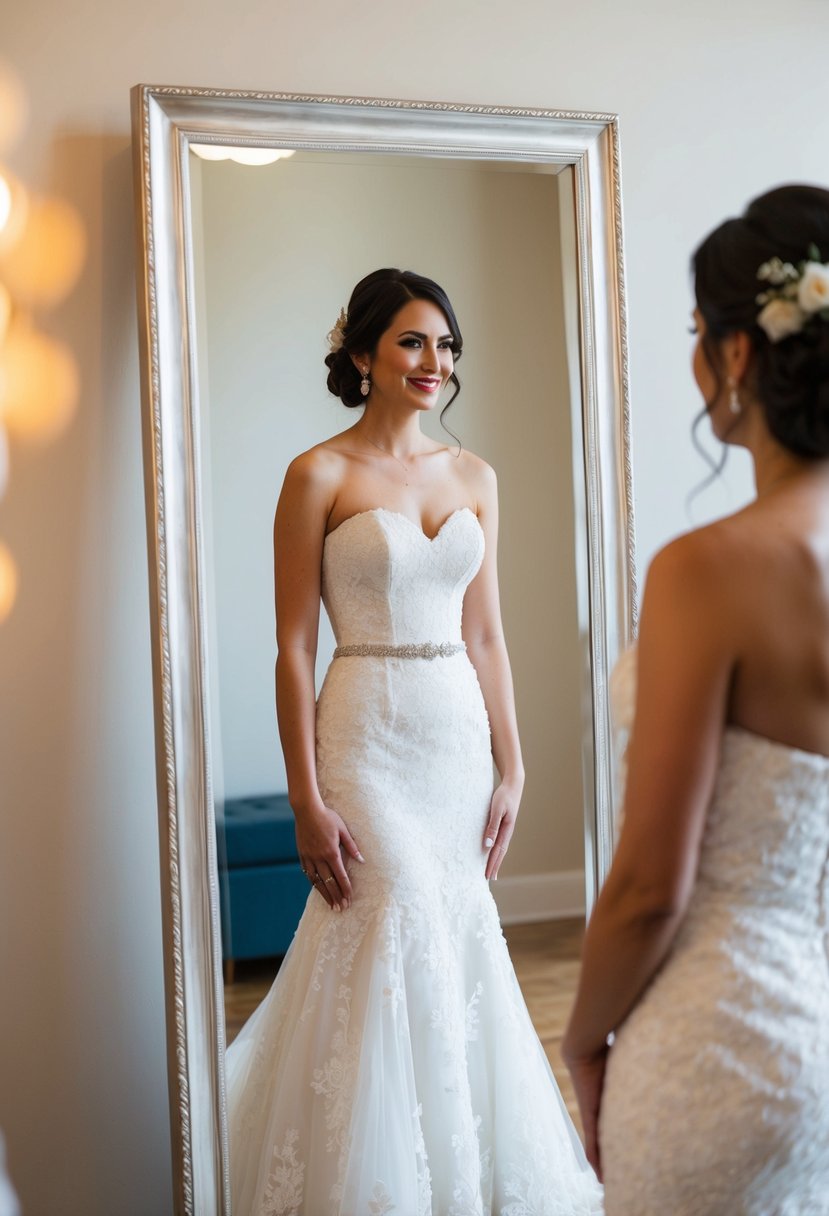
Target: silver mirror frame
[165, 121]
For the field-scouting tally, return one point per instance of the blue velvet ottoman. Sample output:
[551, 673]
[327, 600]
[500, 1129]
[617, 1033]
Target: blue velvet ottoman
[262, 889]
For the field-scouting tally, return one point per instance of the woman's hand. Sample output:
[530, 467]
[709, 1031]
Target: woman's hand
[503, 810]
[322, 837]
[587, 1073]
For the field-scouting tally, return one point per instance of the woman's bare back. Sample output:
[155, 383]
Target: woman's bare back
[775, 557]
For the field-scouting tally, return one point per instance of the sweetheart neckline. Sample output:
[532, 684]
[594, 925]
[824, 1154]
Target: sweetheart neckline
[430, 540]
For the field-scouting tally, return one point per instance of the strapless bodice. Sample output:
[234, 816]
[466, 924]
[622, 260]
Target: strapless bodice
[766, 838]
[385, 581]
[716, 1095]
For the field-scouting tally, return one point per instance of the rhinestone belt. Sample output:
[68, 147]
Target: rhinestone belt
[406, 650]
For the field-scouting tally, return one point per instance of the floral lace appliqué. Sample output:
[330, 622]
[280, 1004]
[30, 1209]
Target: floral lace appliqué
[283, 1191]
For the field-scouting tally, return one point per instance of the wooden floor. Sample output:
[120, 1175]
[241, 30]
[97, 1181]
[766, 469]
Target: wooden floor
[545, 957]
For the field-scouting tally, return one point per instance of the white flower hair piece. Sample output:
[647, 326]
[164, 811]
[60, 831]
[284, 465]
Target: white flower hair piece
[794, 296]
[336, 336]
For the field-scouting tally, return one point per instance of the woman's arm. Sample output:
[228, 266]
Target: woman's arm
[686, 661]
[484, 637]
[299, 535]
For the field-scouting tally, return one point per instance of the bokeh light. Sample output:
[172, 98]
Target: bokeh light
[14, 210]
[39, 384]
[8, 582]
[14, 109]
[4, 460]
[5, 311]
[44, 262]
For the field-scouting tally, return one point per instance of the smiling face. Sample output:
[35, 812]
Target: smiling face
[413, 359]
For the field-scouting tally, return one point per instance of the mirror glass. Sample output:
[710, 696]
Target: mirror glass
[276, 250]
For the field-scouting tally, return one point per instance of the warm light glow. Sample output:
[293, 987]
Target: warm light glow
[242, 156]
[14, 207]
[5, 311]
[4, 461]
[5, 202]
[13, 107]
[8, 582]
[39, 384]
[44, 263]
[42, 249]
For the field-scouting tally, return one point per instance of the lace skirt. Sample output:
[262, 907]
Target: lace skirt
[393, 1066]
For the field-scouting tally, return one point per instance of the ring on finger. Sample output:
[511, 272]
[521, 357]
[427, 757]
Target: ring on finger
[330, 878]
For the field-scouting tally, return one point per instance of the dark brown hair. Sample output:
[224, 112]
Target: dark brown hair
[790, 377]
[373, 305]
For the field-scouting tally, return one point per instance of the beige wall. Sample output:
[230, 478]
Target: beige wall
[83, 1095]
[281, 249]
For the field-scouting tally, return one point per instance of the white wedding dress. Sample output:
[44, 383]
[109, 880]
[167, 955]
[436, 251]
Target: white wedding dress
[393, 1066]
[716, 1100]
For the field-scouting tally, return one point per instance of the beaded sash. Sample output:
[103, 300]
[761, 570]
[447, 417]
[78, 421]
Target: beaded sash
[405, 650]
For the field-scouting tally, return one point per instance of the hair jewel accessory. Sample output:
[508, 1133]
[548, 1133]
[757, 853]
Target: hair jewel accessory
[336, 336]
[794, 296]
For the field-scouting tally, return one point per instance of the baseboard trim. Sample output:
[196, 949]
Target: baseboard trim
[531, 897]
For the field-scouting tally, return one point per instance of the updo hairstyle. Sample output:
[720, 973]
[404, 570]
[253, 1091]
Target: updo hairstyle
[790, 378]
[373, 305]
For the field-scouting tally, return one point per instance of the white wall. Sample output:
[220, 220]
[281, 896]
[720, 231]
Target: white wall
[716, 103]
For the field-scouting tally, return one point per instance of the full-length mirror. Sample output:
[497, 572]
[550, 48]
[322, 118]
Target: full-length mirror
[245, 268]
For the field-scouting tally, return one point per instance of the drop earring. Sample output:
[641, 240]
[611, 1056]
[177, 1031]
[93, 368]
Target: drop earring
[733, 399]
[365, 383]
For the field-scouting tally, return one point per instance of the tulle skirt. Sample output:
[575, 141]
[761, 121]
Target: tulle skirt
[393, 1066]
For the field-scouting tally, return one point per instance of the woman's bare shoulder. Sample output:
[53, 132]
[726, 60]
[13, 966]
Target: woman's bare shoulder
[475, 471]
[310, 486]
[736, 547]
[708, 582]
[710, 547]
[695, 572]
[319, 466]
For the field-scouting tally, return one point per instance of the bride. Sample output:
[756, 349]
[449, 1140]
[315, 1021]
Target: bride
[393, 1066]
[707, 951]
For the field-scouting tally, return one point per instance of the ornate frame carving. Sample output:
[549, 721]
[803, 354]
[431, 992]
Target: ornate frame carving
[165, 121]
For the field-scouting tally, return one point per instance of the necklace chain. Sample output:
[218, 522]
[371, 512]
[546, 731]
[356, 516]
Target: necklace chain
[386, 452]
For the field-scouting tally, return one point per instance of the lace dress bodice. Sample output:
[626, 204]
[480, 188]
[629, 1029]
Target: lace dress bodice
[405, 587]
[717, 1092]
[766, 838]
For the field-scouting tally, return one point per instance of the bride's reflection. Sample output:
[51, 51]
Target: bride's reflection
[261, 358]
